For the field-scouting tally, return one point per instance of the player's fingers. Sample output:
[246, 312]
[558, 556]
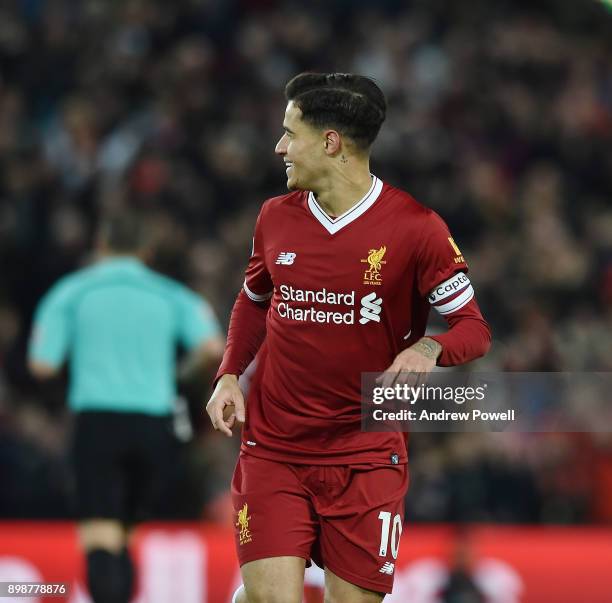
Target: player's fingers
[211, 406]
[231, 421]
[389, 376]
[407, 377]
[415, 379]
[403, 377]
[419, 374]
[239, 407]
[218, 422]
[381, 379]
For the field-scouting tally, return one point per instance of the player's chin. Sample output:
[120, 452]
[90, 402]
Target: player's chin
[293, 184]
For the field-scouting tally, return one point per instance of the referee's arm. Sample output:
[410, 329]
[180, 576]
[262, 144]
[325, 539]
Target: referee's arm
[203, 359]
[201, 334]
[42, 371]
[49, 340]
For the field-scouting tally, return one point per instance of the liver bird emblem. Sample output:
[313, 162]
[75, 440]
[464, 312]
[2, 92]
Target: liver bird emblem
[243, 519]
[375, 258]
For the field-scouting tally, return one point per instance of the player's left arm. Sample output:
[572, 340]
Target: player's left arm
[468, 335]
[442, 277]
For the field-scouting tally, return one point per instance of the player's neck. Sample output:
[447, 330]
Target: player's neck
[343, 189]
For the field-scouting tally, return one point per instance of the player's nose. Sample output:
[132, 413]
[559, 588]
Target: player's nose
[281, 146]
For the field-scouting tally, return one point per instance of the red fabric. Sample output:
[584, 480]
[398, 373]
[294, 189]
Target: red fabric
[468, 336]
[247, 330]
[334, 316]
[329, 514]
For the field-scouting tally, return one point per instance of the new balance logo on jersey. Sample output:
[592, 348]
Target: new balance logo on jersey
[388, 568]
[370, 308]
[286, 258]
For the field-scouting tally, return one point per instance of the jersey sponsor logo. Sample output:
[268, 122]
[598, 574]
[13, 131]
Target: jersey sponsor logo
[322, 296]
[458, 259]
[244, 536]
[287, 308]
[387, 568]
[371, 307]
[375, 262]
[286, 258]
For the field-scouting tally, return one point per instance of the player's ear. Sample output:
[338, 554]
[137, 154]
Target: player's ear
[332, 142]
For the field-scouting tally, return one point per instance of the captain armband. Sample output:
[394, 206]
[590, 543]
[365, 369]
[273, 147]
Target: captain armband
[452, 294]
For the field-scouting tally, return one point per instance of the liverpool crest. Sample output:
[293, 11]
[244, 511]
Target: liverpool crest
[244, 536]
[372, 275]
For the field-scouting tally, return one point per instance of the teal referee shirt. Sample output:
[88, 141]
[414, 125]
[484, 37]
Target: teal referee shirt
[118, 323]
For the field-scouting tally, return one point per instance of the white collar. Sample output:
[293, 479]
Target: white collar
[333, 225]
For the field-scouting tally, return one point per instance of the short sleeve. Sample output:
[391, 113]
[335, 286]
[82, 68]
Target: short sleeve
[51, 330]
[197, 321]
[439, 257]
[258, 283]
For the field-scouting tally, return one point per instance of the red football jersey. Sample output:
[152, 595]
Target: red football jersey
[347, 295]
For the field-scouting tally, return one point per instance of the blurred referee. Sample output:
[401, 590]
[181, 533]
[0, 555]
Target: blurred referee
[118, 324]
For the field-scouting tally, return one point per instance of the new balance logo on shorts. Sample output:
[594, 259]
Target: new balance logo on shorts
[286, 258]
[388, 568]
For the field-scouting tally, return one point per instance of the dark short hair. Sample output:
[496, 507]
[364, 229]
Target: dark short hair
[352, 104]
[125, 232]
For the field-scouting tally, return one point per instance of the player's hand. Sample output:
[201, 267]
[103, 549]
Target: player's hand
[226, 405]
[412, 364]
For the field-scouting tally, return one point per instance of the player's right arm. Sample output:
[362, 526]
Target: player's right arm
[247, 330]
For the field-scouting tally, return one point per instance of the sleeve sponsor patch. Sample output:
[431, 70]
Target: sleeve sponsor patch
[452, 294]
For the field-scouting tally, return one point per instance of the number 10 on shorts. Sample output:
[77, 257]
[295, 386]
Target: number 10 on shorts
[396, 533]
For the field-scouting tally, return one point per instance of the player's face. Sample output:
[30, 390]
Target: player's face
[302, 150]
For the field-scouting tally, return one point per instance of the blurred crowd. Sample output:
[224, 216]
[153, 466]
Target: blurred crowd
[500, 118]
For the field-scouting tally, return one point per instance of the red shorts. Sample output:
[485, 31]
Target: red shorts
[346, 518]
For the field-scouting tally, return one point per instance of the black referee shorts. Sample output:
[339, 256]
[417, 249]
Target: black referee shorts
[123, 463]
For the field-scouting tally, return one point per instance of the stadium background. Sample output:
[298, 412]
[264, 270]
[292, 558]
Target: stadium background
[500, 118]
